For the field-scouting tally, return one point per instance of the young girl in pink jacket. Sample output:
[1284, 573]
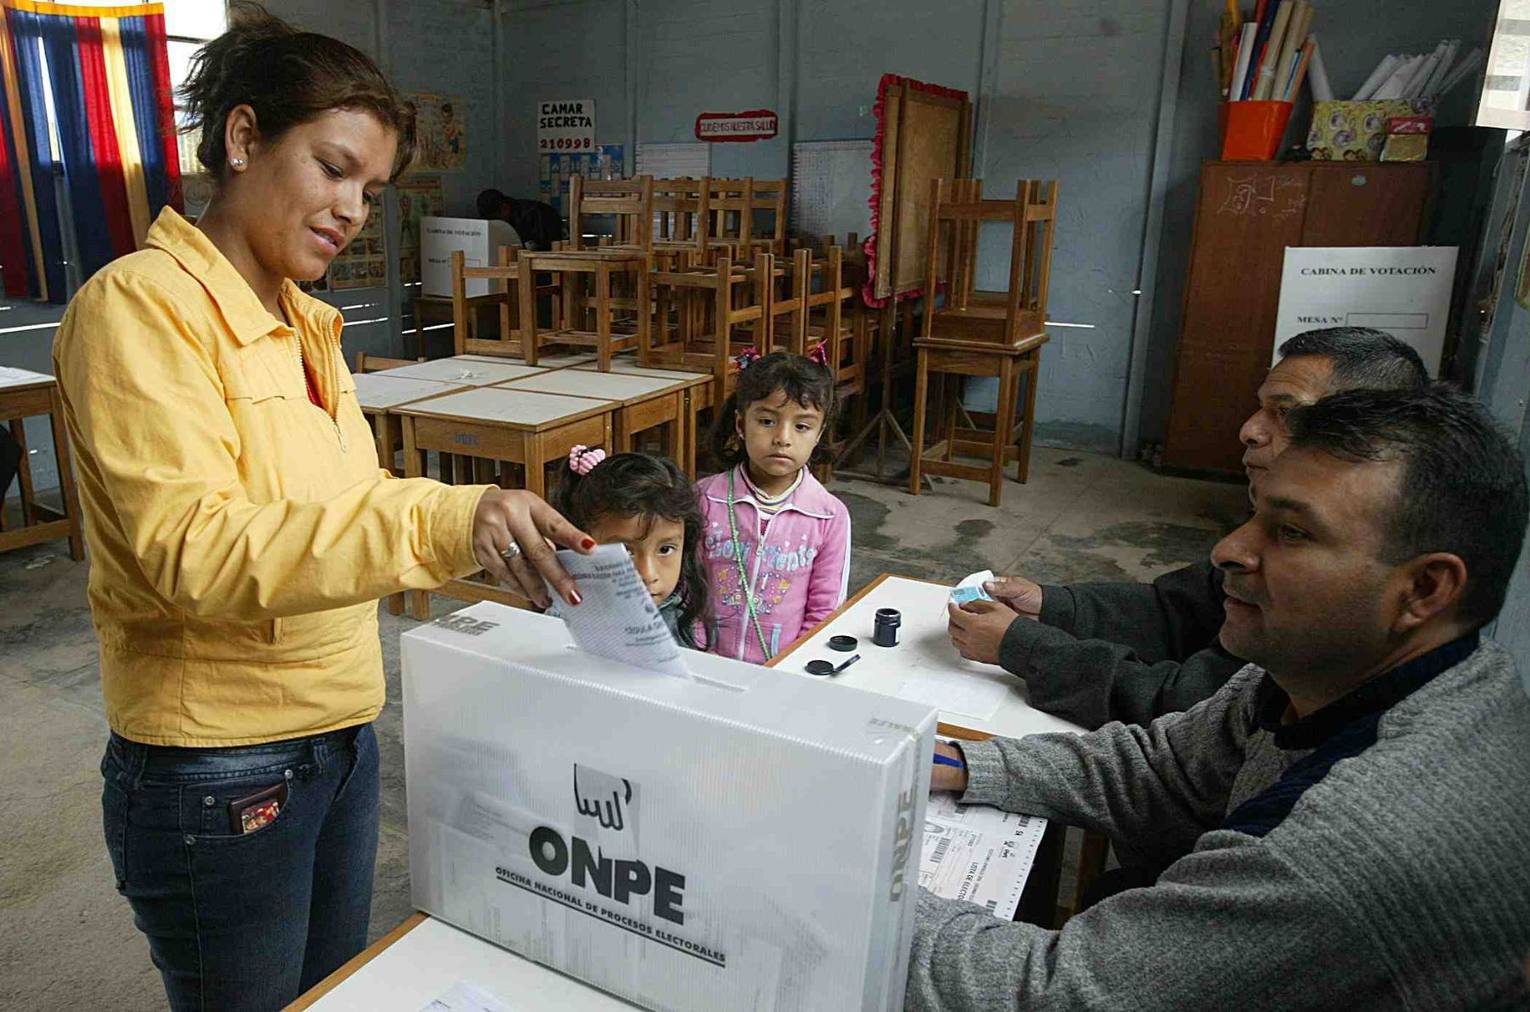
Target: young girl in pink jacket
[777, 544]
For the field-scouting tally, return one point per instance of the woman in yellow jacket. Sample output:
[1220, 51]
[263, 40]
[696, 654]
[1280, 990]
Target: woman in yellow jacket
[241, 531]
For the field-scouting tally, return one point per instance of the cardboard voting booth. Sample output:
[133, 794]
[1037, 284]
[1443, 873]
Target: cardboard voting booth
[479, 241]
[738, 839]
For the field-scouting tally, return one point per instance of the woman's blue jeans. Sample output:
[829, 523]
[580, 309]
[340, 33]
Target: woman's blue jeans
[241, 920]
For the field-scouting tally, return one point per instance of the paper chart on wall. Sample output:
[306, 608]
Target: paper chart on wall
[440, 131]
[831, 188]
[674, 161]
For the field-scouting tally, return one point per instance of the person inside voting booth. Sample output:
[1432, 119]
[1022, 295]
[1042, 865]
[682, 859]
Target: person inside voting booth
[241, 531]
[1344, 823]
[1096, 652]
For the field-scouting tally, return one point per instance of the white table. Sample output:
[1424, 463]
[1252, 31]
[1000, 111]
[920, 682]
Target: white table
[465, 371]
[424, 957]
[924, 649]
[377, 391]
[567, 361]
[924, 646]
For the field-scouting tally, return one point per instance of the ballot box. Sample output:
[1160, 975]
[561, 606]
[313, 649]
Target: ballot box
[740, 838]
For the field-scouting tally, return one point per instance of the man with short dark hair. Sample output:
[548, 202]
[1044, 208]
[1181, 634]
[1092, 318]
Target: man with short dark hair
[1347, 818]
[1096, 652]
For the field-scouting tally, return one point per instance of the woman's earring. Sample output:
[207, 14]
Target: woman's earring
[237, 163]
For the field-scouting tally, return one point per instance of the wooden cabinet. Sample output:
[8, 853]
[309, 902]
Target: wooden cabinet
[1246, 216]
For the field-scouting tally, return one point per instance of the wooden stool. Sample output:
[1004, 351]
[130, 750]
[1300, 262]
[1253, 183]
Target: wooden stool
[24, 394]
[974, 333]
[478, 433]
[1011, 437]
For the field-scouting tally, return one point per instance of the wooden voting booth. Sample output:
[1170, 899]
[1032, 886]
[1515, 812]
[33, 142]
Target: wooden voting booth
[924, 134]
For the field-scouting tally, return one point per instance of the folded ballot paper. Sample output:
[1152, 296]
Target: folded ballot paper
[618, 619]
[734, 839]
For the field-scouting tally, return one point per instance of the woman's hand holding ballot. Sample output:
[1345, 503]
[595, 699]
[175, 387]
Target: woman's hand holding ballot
[515, 538]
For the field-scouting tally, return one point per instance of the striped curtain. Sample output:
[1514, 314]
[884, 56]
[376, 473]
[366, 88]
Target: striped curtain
[104, 74]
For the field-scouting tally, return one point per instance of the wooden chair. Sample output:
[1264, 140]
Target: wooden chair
[504, 276]
[681, 216]
[377, 363]
[971, 333]
[787, 309]
[730, 204]
[628, 203]
[767, 214]
[723, 308]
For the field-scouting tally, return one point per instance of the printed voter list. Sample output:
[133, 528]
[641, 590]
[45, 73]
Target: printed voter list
[618, 618]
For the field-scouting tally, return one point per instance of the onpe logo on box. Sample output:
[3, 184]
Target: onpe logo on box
[465, 624]
[608, 799]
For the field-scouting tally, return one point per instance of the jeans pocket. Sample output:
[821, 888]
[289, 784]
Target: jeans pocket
[206, 811]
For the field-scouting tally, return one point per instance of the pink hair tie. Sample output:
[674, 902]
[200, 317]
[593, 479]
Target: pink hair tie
[747, 357]
[582, 459]
[819, 354]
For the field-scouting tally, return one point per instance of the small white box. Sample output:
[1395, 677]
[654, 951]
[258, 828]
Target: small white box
[478, 239]
[744, 840]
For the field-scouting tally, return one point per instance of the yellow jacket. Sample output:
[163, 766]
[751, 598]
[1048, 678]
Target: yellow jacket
[239, 536]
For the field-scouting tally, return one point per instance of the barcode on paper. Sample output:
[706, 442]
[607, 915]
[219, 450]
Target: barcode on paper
[940, 850]
[991, 905]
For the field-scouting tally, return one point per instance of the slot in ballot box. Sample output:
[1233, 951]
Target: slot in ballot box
[742, 839]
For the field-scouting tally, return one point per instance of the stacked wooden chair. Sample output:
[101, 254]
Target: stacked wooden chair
[967, 332]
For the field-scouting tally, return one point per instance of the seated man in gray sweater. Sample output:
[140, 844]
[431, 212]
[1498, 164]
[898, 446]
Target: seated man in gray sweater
[1348, 817]
[1095, 652]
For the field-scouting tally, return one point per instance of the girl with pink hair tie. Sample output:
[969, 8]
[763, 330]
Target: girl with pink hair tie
[647, 504]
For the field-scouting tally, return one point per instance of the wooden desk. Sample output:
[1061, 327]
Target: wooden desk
[423, 957]
[698, 397]
[924, 645]
[643, 403]
[465, 371]
[23, 394]
[377, 393]
[479, 431]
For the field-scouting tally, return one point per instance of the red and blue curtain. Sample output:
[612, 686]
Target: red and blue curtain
[105, 74]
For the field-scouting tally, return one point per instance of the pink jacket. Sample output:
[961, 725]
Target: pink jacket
[799, 575]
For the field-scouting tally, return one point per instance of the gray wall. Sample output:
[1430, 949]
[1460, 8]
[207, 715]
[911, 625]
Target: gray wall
[1068, 91]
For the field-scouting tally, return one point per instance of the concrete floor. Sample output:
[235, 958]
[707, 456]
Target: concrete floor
[69, 940]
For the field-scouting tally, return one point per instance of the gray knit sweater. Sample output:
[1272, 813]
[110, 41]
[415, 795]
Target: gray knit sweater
[1398, 879]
